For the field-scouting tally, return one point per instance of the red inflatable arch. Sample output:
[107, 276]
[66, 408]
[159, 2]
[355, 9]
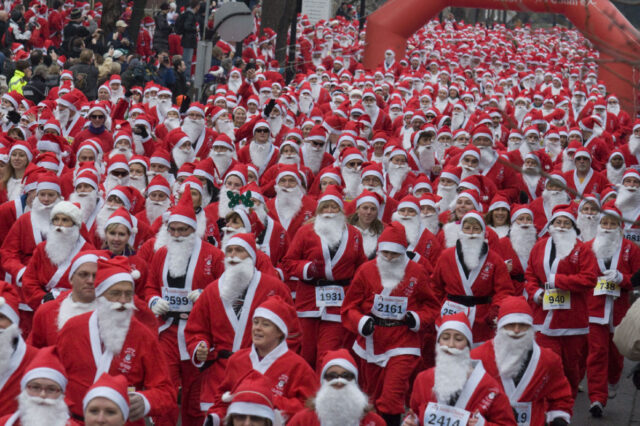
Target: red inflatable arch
[609, 31]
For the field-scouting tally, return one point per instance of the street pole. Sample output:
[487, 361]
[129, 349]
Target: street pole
[203, 58]
[362, 13]
[292, 63]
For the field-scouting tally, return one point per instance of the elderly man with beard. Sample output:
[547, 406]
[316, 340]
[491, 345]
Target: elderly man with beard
[471, 277]
[219, 324]
[631, 150]
[85, 193]
[178, 274]
[423, 154]
[110, 340]
[260, 151]
[457, 389]
[420, 241]
[628, 201]
[45, 275]
[15, 354]
[41, 399]
[387, 304]
[339, 401]
[588, 217]
[158, 200]
[553, 195]
[399, 176]
[447, 185]
[313, 150]
[350, 163]
[618, 259]
[323, 256]
[560, 274]
[181, 147]
[516, 246]
[291, 206]
[584, 179]
[193, 125]
[379, 118]
[531, 376]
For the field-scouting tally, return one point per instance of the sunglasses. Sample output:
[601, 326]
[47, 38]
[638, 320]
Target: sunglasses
[262, 130]
[119, 174]
[332, 376]
[97, 117]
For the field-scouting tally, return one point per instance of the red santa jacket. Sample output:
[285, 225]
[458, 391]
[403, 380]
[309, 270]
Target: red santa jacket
[80, 349]
[309, 417]
[204, 143]
[593, 183]
[507, 180]
[307, 248]
[289, 376]
[541, 214]
[273, 241]
[19, 245]
[508, 254]
[543, 389]
[272, 156]
[609, 309]
[481, 394]
[73, 128]
[366, 291]
[481, 289]
[9, 212]
[427, 246]
[306, 212]
[576, 273]
[599, 152]
[10, 379]
[105, 138]
[214, 322]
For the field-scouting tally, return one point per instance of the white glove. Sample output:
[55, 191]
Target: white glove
[613, 276]
[160, 307]
[193, 296]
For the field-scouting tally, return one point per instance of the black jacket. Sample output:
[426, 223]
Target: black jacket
[161, 35]
[186, 26]
[86, 79]
[35, 90]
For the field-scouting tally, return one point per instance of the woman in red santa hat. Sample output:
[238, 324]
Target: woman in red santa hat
[107, 402]
[252, 403]
[365, 219]
[20, 155]
[471, 277]
[457, 388]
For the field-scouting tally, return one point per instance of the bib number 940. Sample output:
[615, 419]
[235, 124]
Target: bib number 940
[556, 299]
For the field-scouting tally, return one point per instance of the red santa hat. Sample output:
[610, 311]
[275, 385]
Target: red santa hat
[159, 183]
[113, 388]
[161, 156]
[118, 161]
[72, 100]
[141, 160]
[125, 194]
[194, 183]
[452, 173]
[261, 124]
[473, 214]
[122, 217]
[252, 397]
[246, 241]
[52, 143]
[409, 201]
[341, 358]
[289, 170]
[224, 141]
[582, 152]
[564, 210]
[393, 239]
[519, 209]
[176, 137]
[206, 169]
[69, 209]
[197, 108]
[631, 172]
[499, 201]
[239, 170]
[473, 196]
[482, 131]
[610, 209]
[349, 154]
[471, 150]
[332, 193]
[279, 312]
[22, 146]
[9, 302]
[184, 212]
[514, 309]
[113, 271]
[14, 98]
[45, 365]
[458, 322]
[367, 196]
[85, 256]
[48, 181]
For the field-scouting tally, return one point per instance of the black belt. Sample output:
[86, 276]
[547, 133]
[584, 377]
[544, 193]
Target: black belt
[224, 354]
[77, 417]
[177, 315]
[469, 300]
[324, 283]
[381, 322]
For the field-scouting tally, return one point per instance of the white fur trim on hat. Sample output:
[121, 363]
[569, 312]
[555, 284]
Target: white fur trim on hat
[476, 216]
[86, 258]
[340, 362]
[113, 279]
[458, 326]
[109, 393]
[368, 199]
[273, 317]
[7, 311]
[44, 373]
[236, 241]
[67, 208]
[253, 409]
[392, 247]
[516, 317]
[331, 197]
[182, 219]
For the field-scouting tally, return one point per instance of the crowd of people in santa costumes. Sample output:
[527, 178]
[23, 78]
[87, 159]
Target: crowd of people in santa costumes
[452, 235]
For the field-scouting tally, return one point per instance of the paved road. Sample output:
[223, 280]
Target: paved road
[623, 410]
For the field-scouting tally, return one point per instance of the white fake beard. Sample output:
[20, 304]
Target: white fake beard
[511, 353]
[111, 182]
[526, 148]
[41, 214]
[258, 153]
[329, 227]
[531, 179]
[223, 204]
[275, 124]
[519, 113]
[229, 232]
[226, 127]
[155, 209]
[193, 128]
[431, 222]
[457, 121]
[315, 90]
[288, 203]
[351, 182]
[180, 156]
[514, 145]
[163, 106]
[411, 226]
[567, 164]
[7, 337]
[554, 149]
[69, 309]
[340, 407]
[471, 246]
[113, 324]
[63, 117]
[487, 157]
[372, 111]
[261, 212]
[522, 237]
[614, 109]
[179, 250]
[171, 123]
[441, 105]
[607, 243]
[289, 159]
[312, 156]
[554, 198]
[452, 370]
[614, 175]
[397, 174]
[236, 278]
[627, 199]
[162, 238]
[564, 240]
[441, 148]
[138, 144]
[60, 243]
[87, 201]
[138, 182]
[123, 151]
[33, 410]
[375, 189]
[391, 272]
[234, 84]
[468, 171]
[588, 226]
[634, 144]
[222, 160]
[427, 157]
[101, 219]
[448, 194]
[394, 114]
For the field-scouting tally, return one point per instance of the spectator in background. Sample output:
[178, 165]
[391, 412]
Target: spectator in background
[181, 85]
[85, 75]
[36, 90]
[119, 38]
[186, 26]
[163, 29]
[344, 11]
[74, 33]
[165, 70]
[20, 77]
[18, 31]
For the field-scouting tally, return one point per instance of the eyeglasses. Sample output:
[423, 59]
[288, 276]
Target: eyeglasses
[332, 376]
[36, 389]
[262, 130]
[120, 174]
[97, 117]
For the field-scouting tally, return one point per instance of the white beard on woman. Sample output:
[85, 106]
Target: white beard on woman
[351, 182]
[340, 407]
[457, 120]
[236, 278]
[627, 200]
[607, 243]
[471, 246]
[222, 160]
[70, 309]
[588, 226]
[451, 233]
[259, 153]
[397, 174]
[564, 240]
[288, 203]
[181, 156]
[329, 227]
[60, 243]
[155, 209]
[448, 195]
[391, 272]
[519, 112]
[452, 370]
[163, 107]
[615, 175]
[33, 410]
[138, 182]
[554, 198]
[7, 337]
[234, 84]
[87, 201]
[138, 144]
[511, 350]
[431, 222]
[312, 156]
[41, 214]
[275, 124]
[162, 238]
[427, 157]
[113, 324]
[179, 250]
[411, 226]
[193, 128]
[101, 219]
[522, 237]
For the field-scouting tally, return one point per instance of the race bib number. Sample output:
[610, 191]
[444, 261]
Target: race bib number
[606, 288]
[555, 298]
[177, 298]
[632, 235]
[522, 411]
[389, 307]
[328, 296]
[452, 308]
[445, 415]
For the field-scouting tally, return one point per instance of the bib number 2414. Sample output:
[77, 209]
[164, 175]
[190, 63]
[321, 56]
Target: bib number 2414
[445, 415]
